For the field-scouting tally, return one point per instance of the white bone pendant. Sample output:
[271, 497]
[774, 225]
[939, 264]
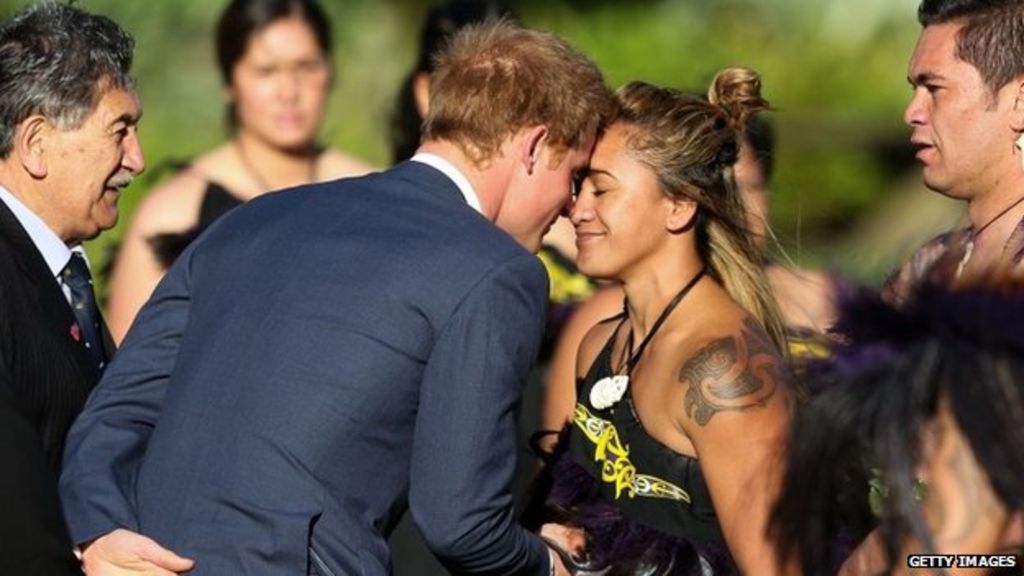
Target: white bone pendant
[608, 390]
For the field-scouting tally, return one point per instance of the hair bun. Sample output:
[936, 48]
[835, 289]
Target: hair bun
[737, 91]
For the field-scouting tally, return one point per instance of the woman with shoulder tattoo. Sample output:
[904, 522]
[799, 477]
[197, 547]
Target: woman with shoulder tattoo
[672, 457]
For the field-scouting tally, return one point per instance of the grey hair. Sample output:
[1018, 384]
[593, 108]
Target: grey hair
[58, 61]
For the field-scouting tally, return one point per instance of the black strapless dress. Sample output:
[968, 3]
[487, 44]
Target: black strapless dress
[217, 201]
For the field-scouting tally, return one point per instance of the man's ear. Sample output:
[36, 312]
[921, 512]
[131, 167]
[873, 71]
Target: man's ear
[682, 213]
[31, 137]
[1017, 118]
[532, 145]
[421, 93]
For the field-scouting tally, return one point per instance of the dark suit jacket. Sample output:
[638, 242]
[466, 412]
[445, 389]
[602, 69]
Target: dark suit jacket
[319, 359]
[45, 377]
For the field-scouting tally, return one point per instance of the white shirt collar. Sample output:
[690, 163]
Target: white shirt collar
[53, 249]
[449, 170]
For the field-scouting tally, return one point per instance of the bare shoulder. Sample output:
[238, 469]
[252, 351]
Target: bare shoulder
[593, 342]
[798, 279]
[217, 163]
[735, 370]
[806, 297]
[602, 305]
[171, 206]
[335, 164]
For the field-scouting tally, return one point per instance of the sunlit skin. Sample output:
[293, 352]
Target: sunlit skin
[88, 167]
[535, 200]
[619, 200]
[961, 131]
[628, 229]
[279, 88]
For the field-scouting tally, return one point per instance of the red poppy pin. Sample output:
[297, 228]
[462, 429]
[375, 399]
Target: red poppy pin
[76, 333]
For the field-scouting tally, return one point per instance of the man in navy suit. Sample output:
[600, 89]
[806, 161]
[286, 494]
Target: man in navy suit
[324, 358]
[68, 147]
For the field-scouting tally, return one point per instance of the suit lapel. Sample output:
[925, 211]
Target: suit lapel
[54, 308]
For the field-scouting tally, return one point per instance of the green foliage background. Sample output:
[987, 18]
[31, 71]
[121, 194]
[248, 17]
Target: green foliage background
[846, 192]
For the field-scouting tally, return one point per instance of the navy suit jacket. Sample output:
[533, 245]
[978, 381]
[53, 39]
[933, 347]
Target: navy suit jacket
[320, 360]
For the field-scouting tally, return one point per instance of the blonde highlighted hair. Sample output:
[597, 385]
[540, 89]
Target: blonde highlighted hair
[692, 144]
[497, 78]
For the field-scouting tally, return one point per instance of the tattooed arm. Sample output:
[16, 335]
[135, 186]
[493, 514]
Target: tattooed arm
[736, 413]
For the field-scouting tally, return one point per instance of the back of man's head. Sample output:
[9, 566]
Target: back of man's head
[496, 78]
[992, 37]
[58, 61]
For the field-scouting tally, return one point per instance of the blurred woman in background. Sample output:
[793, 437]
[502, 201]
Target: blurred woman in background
[274, 60]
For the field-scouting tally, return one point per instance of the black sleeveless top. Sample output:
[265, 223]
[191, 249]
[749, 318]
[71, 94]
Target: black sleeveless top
[217, 201]
[652, 484]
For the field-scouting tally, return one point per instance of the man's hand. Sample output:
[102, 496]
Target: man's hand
[123, 553]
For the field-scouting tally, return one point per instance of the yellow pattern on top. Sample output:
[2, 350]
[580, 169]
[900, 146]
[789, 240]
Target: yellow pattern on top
[808, 349]
[616, 467]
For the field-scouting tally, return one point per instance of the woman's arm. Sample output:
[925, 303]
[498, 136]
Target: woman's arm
[737, 399]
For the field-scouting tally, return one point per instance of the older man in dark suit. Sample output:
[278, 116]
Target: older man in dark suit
[67, 148]
[324, 358]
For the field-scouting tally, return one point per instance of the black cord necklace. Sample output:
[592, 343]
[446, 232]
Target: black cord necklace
[609, 390]
[256, 177]
[973, 234]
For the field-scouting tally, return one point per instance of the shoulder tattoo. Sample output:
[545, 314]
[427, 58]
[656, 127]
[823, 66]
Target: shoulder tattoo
[731, 374]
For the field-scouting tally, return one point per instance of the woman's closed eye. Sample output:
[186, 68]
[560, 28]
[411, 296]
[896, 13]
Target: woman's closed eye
[590, 186]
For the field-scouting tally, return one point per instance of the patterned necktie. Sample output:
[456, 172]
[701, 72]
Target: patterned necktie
[83, 304]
